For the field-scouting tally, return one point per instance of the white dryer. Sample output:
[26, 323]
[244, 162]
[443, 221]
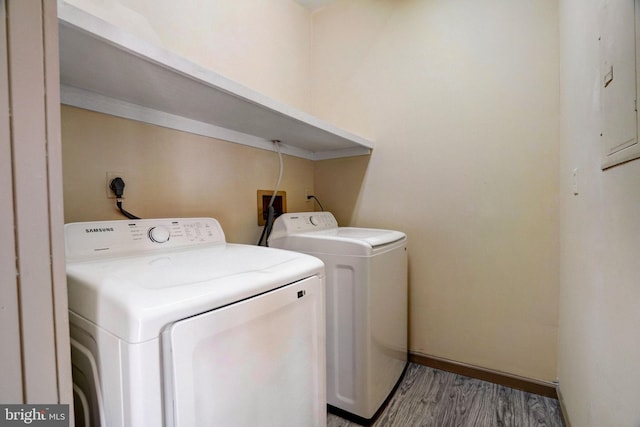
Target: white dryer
[172, 326]
[366, 291]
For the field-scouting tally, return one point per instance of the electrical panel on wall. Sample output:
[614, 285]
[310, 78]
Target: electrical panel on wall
[619, 82]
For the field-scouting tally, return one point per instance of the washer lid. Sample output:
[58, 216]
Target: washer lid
[341, 241]
[135, 297]
[319, 232]
[372, 236]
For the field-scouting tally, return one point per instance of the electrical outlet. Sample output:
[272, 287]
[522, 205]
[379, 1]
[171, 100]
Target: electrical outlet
[110, 177]
[307, 193]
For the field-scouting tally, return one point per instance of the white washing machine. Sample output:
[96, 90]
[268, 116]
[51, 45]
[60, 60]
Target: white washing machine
[172, 326]
[366, 291]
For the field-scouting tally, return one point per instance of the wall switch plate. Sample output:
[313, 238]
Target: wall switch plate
[574, 182]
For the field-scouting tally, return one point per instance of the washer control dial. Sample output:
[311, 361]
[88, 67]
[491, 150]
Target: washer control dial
[159, 234]
[313, 220]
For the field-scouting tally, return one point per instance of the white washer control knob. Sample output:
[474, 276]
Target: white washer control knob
[159, 234]
[313, 220]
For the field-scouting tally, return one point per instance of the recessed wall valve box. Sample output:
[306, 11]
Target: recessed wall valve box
[279, 204]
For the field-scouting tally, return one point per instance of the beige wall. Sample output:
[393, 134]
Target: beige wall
[599, 316]
[264, 45]
[461, 99]
[171, 174]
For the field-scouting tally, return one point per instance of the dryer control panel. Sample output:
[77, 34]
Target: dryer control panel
[88, 240]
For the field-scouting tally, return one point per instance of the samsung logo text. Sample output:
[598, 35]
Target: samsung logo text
[99, 230]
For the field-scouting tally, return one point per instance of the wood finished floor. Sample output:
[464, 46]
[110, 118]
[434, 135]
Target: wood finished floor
[429, 397]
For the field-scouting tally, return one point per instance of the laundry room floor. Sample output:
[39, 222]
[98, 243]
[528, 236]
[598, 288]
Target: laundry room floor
[429, 397]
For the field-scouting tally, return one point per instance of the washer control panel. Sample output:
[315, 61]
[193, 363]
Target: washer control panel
[291, 223]
[110, 238]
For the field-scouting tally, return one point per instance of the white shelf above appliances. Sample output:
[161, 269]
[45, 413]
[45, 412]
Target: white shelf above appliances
[103, 68]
